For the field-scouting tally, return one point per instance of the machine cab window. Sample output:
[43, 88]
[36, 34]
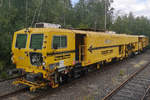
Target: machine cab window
[21, 41]
[36, 41]
[59, 42]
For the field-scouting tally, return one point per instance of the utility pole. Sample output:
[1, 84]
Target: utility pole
[105, 15]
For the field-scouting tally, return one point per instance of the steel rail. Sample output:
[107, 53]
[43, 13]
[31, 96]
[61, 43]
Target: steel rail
[124, 83]
[146, 93]
[12, 93]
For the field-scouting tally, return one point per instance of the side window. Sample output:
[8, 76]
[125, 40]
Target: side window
[56, 42]
[63, 41]
[59, 42]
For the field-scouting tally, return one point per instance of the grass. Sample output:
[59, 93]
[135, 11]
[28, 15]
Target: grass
[121, 73]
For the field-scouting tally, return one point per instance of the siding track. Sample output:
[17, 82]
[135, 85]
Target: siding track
[7, 95]
[134, 88]
[147, 94]
[12, 78]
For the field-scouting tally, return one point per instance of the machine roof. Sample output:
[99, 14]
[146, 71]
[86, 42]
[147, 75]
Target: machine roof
[42, 30]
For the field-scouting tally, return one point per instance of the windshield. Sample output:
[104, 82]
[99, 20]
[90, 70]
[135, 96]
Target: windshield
[36, 41]
[21, 41]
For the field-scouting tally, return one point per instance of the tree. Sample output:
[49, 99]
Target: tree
[91, 13]
[130, 24]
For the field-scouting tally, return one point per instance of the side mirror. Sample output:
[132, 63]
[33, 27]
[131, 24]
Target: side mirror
[55, 46]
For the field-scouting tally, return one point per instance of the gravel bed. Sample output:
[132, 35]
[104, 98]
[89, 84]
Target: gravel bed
[7, 87]
[96, 85]
[93, 86]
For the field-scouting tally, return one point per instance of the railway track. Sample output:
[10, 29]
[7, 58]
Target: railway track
[14, 93]
[147, 94]
[41, 94]
[3, 80]
[136, 87]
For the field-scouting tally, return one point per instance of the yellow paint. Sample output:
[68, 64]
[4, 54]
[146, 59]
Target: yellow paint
[33, 86]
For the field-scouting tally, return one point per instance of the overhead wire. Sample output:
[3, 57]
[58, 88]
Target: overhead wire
[34, 16]
[39, 11]
[36, 13]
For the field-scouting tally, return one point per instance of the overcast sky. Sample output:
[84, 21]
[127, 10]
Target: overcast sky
[74, 1]
[138, 7]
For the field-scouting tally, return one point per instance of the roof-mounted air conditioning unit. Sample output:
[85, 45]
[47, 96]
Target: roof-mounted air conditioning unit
[47, 25]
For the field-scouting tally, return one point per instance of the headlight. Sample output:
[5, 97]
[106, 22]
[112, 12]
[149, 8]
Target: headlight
[44, 63]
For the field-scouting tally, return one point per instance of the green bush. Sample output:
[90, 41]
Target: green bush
[3, 75]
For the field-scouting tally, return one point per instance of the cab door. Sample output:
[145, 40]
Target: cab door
[80, 47]
[20, 49]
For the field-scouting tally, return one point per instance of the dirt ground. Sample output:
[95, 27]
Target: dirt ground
[94, 86]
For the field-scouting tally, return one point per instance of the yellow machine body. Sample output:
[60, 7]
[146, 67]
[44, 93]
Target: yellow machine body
[80, 47]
